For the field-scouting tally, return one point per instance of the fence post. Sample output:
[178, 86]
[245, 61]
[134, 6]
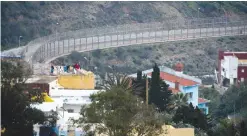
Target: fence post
[130, 38]
[47, 50]
[136, 37]
[104, 40]
[219, 29]
[54, 46]
[213, 26]
[142, 36]
[98, 41]
[225, 24]
[174, 31]
[123, 36]
[58, 47]
[80, 44]
[244, 28]
[74, 44]
[187, 28]
[63, 46]
[199, 25]
[155, 33]
[168, 33]
[231, 29]
[238, 30]
[181, 33]
[111, 39]
[86, 41]
[117, 38]
[50, 49]
[92, 42]
[68, 45]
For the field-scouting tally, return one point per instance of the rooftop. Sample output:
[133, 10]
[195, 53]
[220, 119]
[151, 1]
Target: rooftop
[202, 100]
[41, 79]
[172, 78]
[239, 55]
[174, 91]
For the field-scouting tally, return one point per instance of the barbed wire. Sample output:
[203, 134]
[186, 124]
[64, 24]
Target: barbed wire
[50, 44]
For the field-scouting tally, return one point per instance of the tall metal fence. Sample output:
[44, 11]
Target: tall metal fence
[132, 34]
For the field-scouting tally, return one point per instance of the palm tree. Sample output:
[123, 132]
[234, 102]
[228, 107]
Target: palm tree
[119, 80]
[178, 100]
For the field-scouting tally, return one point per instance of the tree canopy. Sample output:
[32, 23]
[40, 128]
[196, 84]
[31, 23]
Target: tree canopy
[159, 94]
[17, 114]
[117, 112]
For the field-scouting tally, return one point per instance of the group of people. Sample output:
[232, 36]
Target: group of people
[66, 69]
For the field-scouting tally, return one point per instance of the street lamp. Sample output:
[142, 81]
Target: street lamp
[56, 29]
[198, 19]
[198, 12]
[20, 40]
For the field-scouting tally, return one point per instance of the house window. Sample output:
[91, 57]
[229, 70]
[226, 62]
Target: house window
[190, 95]
[242, 79]
[242, 70]
[70, 110]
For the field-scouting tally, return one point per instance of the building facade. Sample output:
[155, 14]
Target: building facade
[232, 68]
[179, 83]
[68, 93]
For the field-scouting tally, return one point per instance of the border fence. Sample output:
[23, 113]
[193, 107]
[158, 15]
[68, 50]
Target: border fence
[61, 44]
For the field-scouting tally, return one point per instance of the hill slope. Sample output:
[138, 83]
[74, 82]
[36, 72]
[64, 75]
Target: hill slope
[35, 19]
[198, 56]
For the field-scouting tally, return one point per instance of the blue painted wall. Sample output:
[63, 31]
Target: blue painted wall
[203, 106]
[194, 90]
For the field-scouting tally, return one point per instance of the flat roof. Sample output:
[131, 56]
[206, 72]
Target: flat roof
[41, 79]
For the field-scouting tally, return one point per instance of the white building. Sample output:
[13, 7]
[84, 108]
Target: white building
[232, 67]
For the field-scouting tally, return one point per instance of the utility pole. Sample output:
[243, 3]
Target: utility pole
[147, 90]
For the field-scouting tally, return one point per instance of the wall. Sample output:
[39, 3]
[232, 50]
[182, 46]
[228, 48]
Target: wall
[203, 106]
[171, 131]
[194, 90]
[77, 81]
[242, 74]
[43, 86]
[69, 92]
[181, 132]
[75, 107]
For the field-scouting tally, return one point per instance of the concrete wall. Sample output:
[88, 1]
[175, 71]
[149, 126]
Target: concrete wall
[194, 90]
[242, 73]
[171, 131]
[230, 64]
[203, 106]
[77, 81]
[180, 132]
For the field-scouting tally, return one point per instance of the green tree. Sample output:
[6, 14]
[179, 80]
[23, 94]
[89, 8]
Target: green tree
[191, 115]
[139, 75]
[17, 115]
[159, 94]
[178, 100]
[233, 100]
[140, 85]
[117, 112]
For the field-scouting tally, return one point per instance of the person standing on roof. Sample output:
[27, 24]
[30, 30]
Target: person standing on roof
[52, 69]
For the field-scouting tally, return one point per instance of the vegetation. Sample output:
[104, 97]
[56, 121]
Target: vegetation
[117, 112]
[18, 117]
[35, 19]
[202, 61]
[159, 94]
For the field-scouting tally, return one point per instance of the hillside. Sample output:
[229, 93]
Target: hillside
[35, 19]
[198, 56]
